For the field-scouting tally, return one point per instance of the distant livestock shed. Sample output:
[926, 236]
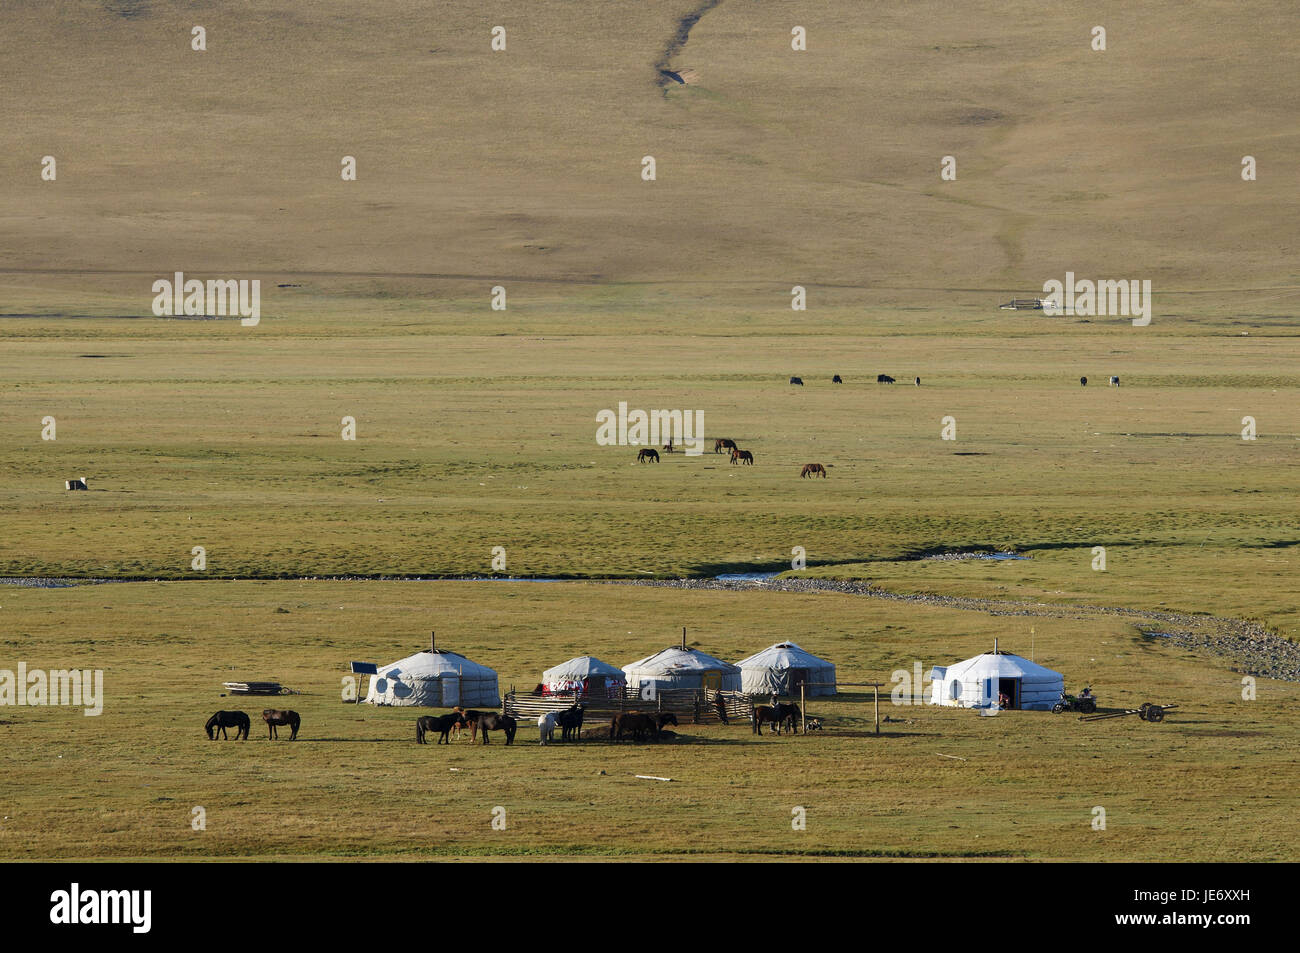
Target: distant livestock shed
[780, 669]
[586, 675]
[978, 682]
[435, 679]
[682, 668]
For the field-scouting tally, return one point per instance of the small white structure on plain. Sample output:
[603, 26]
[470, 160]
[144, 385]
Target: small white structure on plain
[979, 682]
[780, 669]
[586, 674]
[434, 678]
[682, 668]
[75, 484]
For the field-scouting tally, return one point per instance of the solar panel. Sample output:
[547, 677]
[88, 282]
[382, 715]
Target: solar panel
[365, 668]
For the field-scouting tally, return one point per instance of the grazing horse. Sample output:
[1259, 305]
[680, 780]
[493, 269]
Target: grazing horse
[274, 716]
[570, 721]
[442, 724]
[812, 470]
[884, 379]
[797, 380]
[647, 455]
[492, 721]
[546, 726]
[836, 380]
[744, 456]
[722, 443]
[227, 719]
[665, 718]
[761, 714]
[637, 723]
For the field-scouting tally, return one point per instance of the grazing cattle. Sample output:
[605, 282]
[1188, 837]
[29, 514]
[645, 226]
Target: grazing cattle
[75, 484]
[1114, 382]
[274, 716]
[228, 719]
[884, 379]
[570, 721]
[742, 456]
[647, 455]
[546, 726]
[918, 382]
[638, 724]
[812, 469]
[797, 380]
[1083, 382]
[442, 724]
[722, 443]
[836, 380]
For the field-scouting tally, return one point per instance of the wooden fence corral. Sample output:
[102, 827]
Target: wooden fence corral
[689, 705]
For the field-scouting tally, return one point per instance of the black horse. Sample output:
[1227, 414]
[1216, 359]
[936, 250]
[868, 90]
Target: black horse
[492, 721]
[665, 718]
[570, 722]
[441, 724]
[788, 714]
[228, 719]
[274, 716]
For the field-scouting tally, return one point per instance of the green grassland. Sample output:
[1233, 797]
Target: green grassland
[1215, 781]
[476, 428]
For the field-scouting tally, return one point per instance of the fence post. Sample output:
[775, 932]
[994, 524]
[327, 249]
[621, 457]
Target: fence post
[803, 709]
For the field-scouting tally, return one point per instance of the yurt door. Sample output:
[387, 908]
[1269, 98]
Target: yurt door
[450, 685]
[796, 677]
[713, 681]
[1010, 688]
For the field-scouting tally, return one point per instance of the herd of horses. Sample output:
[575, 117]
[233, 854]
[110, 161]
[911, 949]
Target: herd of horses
[238, 720]
[636, 725]
[738, 456]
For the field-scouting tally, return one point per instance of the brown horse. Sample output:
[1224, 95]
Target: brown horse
[812, 469]
[637, 723]
[722, 443]
[761, 714]
[742, 456]
[443, 724]
[665, 718]
[647, 455]
[227, 719]
[274, 716]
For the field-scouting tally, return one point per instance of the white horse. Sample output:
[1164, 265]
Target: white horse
[546, 724]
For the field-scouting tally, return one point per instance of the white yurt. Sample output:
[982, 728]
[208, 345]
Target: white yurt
[435, 679]
[780, 669]
[979, 682]
[682, 668]
[586, 674]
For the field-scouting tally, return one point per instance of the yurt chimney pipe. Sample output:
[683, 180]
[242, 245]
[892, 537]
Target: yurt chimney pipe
[433, 641]
[995, 646]
[683, 637]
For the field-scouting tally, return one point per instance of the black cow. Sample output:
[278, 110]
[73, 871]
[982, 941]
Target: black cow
[1083, 382]
[884, 379]
[836, 380]
[797, 380]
